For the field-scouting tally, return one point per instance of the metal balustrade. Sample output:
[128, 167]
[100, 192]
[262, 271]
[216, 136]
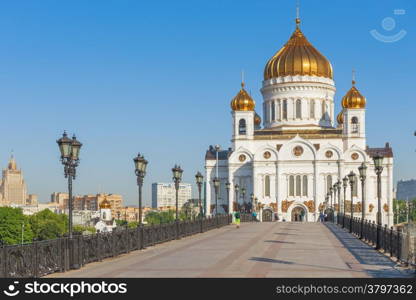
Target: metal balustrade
[392, 241]
[41, 258]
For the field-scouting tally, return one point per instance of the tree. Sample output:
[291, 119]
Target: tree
[84, 229]
[160, 217]
[11, 221]
[48, 225]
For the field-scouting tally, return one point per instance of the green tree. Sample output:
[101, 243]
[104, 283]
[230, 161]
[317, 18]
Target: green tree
[48, 225]
[11, 221]
[83, 229]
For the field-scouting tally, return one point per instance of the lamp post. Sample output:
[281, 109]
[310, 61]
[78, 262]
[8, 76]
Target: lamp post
[251, 203]
[228, 187]
[378, 167]
[344, 185]
[177, 177]
[330, 196]
[334, 190]
[69, 149]
[217, 183]
[339, 197]
[140, 165]
[351, 178]
[217, 149]
[199, 181]
[236, 188]
[243, 193]
[363, 174]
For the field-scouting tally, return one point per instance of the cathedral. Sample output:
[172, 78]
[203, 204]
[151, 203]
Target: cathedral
[285, 166]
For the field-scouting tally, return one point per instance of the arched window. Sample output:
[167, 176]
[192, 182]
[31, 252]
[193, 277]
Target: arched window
[298, 185]
[312, 109]
[242, 126]
[328, 183]
[267, 186]
[298, 109]
[284, 109]
[291, 185]
[354, 124]
[323, 109]
[305, 186]
[273, 111]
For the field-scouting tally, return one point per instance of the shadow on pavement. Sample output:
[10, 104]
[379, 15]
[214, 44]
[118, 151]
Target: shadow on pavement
[279, 242]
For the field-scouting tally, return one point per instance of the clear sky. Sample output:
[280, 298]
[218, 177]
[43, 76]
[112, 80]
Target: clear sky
[158, 76]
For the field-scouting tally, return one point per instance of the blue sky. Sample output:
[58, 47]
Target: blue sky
[157, 77]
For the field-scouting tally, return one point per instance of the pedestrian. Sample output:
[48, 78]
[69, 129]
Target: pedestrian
[321, 217]
[237, 219]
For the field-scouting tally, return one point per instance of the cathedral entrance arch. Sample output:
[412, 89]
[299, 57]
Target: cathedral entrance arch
[267, 215]
[298, 214]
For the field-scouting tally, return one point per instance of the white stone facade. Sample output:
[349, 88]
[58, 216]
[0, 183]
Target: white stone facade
[290, 163]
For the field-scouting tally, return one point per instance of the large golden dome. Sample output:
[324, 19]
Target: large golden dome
[340, 118]
[243, 101]
[298, 57]
[105, 204]
[257, 120]
[353, 98]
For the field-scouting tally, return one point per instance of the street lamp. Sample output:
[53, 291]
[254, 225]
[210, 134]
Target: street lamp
[351, 177]
[199, 181]
[344, 185]
[140, 165]
[177, 177]
[330, 195]
[69, 149]
[217, 183]
[228, 187]
[251, 203]
[236, 188]
[363, 174]
[243, 193]
[378, 167]
[338, 187]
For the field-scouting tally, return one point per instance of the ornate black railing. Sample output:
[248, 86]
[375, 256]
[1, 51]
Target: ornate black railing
[246, 217]
[40, 258]
[391, 241]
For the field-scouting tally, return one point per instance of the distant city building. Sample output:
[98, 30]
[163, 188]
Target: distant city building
[406, 189]
[33, 209]
[13, 189]
[129, 213]
[61, 199]
[164, 194]
[87, 202]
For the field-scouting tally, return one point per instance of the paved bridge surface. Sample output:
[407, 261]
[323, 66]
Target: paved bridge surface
[253, 250]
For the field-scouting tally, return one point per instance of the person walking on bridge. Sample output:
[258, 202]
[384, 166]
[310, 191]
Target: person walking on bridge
[237, 219]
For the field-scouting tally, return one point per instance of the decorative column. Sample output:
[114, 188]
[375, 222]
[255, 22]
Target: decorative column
[277, 190]
[208, 193]
[315, 188]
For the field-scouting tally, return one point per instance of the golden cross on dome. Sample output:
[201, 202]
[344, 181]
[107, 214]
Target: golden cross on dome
[297, 14]
[353, 77]
[242, 78]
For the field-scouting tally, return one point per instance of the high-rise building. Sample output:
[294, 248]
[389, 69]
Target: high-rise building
[13, 189]
[164, 194]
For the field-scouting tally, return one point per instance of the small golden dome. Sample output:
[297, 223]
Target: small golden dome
[298, 57]
[340, 118]
[105, 204]
[243, 101]
[257, 120]
[353, 98]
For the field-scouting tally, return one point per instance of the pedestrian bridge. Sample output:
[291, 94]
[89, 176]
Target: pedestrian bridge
[266, 249]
